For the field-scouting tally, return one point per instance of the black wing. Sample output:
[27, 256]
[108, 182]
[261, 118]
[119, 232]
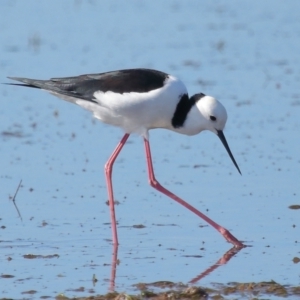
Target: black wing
[84, 86]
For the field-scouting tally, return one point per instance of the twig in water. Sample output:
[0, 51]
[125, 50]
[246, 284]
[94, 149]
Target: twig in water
[14, 200]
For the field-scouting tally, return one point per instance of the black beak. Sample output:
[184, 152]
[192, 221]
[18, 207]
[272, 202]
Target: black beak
[224, 142]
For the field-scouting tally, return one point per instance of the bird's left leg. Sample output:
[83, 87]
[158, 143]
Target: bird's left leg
[155, 184]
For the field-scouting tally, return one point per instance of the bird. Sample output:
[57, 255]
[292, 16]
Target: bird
[139, 100]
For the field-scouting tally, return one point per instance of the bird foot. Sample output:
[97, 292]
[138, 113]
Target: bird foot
[231, 239]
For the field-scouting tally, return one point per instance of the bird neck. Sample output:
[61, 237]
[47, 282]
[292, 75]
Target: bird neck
[193, 124]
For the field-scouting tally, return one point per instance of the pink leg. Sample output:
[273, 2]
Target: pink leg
[108, 172]
[155, 184]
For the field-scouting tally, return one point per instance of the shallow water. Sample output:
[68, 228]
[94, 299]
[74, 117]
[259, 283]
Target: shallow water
[246, 54]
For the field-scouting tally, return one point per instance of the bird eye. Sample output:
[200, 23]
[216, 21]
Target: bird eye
[213, 118]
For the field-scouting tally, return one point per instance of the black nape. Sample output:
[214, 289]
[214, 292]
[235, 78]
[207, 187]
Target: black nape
[183, 107]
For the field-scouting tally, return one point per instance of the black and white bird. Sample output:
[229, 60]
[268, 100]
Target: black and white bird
[138, 100]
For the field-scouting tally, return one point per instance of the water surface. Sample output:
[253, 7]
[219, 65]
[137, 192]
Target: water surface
[246, 54]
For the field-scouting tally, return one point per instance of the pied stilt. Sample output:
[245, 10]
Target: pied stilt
[138, 100]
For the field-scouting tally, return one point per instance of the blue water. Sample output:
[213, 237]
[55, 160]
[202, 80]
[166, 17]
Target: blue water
[246, 54]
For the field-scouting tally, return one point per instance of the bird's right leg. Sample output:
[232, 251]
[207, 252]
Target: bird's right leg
[108, 173]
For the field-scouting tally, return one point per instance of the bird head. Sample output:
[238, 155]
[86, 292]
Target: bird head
[214, 117]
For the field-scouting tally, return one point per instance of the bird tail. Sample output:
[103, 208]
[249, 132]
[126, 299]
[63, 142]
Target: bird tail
[33, 83]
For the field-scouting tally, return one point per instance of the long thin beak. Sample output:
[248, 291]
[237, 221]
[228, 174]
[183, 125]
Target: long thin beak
[224, 142]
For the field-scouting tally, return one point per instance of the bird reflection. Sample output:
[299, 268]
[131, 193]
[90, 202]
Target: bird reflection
[226, 257]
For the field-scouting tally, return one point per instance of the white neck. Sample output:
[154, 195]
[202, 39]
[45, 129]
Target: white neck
[194, 123]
